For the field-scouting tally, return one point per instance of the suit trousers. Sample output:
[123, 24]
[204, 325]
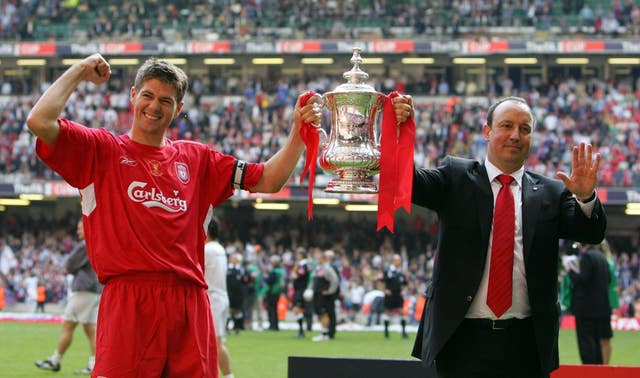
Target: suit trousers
[482, 348]
[272, 311]
[589, 332]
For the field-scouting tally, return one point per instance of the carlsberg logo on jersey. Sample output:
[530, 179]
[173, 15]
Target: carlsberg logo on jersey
[155, 198]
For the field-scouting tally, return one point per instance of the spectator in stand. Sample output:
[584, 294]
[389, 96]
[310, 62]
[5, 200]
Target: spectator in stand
[587, 16]
[8, 259]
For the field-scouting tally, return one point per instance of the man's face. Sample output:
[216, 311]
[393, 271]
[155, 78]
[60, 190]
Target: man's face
[397, 261]
[509, 137]
[155, 105]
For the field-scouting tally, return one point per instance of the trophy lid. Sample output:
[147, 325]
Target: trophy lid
[355, 77]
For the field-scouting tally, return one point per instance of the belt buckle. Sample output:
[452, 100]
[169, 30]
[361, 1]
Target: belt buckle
[495, 326]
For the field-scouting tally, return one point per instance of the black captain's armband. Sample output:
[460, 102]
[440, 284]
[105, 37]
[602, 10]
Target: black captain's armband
[239, 171]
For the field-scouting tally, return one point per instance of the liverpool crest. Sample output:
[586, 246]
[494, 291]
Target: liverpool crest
[182, 172]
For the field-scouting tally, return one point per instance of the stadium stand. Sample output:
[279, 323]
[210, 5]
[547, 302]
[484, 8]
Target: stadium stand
[269, 19]
[253, 126]
[250, 118]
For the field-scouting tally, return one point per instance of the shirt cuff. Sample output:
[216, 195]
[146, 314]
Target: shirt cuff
[587, 206]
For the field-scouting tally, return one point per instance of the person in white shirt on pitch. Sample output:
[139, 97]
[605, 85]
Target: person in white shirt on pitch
[215, 273]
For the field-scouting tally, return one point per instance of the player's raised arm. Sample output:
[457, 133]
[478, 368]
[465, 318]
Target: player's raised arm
[43, 118]
[279, 167]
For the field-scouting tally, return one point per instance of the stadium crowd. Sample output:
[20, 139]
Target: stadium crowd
[32, 254]
[292, 19]
[250, 120]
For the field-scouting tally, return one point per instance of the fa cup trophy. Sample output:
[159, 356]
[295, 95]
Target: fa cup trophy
[352, 150]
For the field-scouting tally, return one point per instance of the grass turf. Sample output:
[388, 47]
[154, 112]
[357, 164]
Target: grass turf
[255, 354]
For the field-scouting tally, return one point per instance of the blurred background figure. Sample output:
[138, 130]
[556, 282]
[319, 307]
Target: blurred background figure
[614, 300]
[300, 282]
[373, 301]
[215, 273]
[325, 285]
[590, 302]
[354, 298]
[82, 307]
[249, 278]
[235, 289]
[334, 293]
[254, 301]
[41, 296]
[274, 282]
[394, 281]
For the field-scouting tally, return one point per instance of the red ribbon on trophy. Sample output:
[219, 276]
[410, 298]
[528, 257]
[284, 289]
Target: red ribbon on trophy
[396, 165]
[311, 139]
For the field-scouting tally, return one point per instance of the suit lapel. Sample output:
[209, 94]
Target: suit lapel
[531, 203]
[484, 200]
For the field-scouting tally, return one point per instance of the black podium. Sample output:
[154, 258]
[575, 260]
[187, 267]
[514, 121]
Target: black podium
[325, 367]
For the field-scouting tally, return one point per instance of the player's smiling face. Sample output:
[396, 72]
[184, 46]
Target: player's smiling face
[155, 105]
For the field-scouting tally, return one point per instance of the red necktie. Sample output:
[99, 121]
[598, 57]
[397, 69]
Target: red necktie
[501, 265]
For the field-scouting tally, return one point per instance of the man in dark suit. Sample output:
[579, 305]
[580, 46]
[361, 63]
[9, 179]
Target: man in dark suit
[461, 335]
[590, 303]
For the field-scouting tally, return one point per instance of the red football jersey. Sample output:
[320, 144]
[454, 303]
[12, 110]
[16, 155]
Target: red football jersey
[143, 206]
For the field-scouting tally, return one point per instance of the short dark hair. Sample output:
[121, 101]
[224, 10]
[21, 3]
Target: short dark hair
[493, 107]
[213, 228]
[154, 68]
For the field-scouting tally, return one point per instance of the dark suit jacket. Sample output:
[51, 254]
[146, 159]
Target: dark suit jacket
[460, 192]
[590, 287]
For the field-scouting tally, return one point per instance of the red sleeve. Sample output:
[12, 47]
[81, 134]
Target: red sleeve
[230, 174]
[74, 154]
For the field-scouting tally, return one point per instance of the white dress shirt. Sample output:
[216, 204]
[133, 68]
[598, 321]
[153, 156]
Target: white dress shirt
[520, 307]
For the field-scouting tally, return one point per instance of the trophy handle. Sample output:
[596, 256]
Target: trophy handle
[324, 138]
[379, 110]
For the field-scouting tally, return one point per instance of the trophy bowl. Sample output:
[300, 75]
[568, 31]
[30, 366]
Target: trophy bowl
[352, 150]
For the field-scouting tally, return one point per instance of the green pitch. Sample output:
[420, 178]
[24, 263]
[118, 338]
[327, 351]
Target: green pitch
[254, 354]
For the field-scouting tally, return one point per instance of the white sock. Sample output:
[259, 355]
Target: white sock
[55, 357]
[228, 376]
[92, 362]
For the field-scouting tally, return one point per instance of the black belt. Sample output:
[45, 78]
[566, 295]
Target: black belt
[496, 325]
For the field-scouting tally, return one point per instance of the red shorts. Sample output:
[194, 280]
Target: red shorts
[155, 325]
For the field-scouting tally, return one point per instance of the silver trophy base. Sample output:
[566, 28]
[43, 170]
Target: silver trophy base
[340, 185]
